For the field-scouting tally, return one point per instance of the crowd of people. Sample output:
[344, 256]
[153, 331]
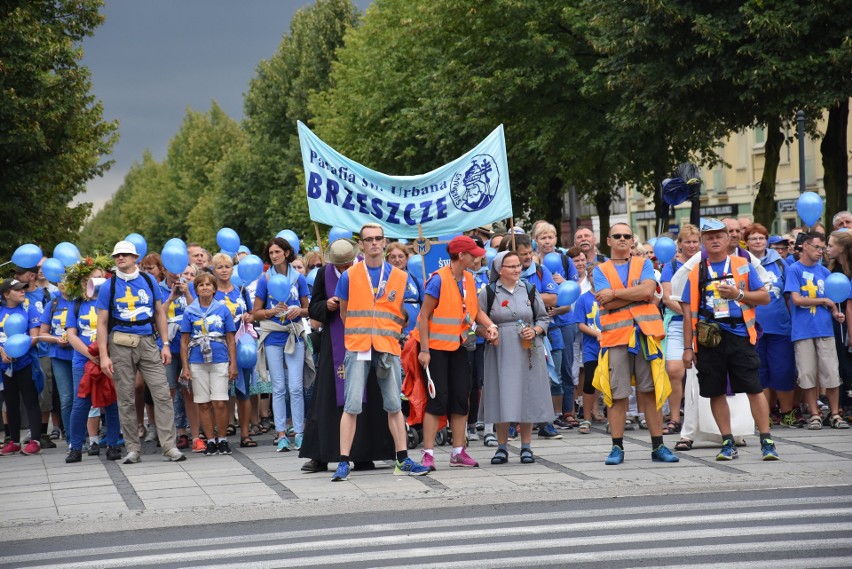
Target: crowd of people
[351, 356]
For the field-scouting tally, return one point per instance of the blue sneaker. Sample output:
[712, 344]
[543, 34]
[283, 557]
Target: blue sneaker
[548, 431]
[283, 445]
[767, 447]
[342, 472]
[663, 454]
[616, 456]
[297, 442]
[728, 452]
[410, 468]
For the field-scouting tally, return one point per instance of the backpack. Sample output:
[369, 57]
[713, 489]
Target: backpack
[149, 280]
[491, 294]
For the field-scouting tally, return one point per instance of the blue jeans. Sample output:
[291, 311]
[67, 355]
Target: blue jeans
[282, 382]
[179, 405]
[569, 332]
[65, 386]
[80, 415]
[356, 379]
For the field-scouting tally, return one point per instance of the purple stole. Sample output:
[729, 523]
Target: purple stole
[335, 330]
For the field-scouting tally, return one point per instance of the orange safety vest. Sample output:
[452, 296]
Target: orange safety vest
[741, 280]
[374, 322]
[617, 325]
[448, 322]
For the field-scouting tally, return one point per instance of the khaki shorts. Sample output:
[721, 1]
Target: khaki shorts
[623, 366]
[209, 382]
[816, 363]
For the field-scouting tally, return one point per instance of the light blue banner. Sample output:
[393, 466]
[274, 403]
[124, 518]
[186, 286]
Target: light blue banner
[471, 191]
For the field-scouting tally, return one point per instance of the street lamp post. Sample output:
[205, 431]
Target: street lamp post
[800, 127]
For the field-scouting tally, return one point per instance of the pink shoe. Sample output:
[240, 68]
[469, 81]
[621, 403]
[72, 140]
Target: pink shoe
[428, 461]
[463, 459]
[10, 448]
[32, 448]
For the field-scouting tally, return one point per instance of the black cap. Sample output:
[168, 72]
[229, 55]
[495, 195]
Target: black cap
[19, 270]
[11, 284]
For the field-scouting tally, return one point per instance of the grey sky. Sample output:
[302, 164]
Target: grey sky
[151, 60]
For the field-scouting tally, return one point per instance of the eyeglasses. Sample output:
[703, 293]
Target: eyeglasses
[756, 238]
[818, 249]
[625, 236]
[373, 239]
[511, 267]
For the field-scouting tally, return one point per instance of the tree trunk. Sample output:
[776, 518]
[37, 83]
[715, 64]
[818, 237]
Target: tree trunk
[603, 201]
[764, 203]
[833, 149]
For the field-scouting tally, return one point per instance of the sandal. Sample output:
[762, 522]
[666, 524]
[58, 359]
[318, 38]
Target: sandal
[247, 442]
[571, 420]
[815, 423]
[254, 431]
[837, 422]
[643, 424]
[598, 418]
[490, 440]
[265, 424]
[500, 457]
[585, 427]
[527, 456]
[672, 428]
[231, 430]
[683, 444]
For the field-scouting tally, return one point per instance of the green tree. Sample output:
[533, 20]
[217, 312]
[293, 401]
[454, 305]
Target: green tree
[52, 132]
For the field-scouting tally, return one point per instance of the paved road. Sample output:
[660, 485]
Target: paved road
[778, 528]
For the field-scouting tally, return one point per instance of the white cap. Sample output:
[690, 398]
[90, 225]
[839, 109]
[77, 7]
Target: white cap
[124, 247]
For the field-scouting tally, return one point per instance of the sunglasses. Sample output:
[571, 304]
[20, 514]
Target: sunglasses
[372, 239]
[317, 266]
[625, 236]
[122, 255]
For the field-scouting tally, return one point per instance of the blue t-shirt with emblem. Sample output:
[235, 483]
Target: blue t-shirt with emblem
[236, 301]
[774, 317]
[214, 321]
[174, 314]
[56, 317]
[31, 314]
[734, 310]
[39, 298]
[85, 321]
[586, 311]
[134, 301]
[809, 321]
[298, 290]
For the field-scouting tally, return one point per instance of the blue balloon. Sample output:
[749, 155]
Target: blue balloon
[279, 287]
[652, 241]
[338, 233]
[236, 280]
[250, 268]
[66, 252]
[312, 276]
[138, 242]
[15, 324]
[415, 266]
[228, 253]
[175, 242]
[244, 249]
[665, 249]
[809, 205]
[490, 253]
[290, 237]
[837, 287]
[568, 293]
[228, 239]
[53, 270]
[18, 345]
[27, 256]
[553, 261]
[246, 354]
[247, 339]
[175, 259]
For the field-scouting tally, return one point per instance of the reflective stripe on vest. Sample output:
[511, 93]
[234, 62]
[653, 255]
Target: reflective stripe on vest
[447, 322]
[748, 311]
[373, 323]
[617, 324]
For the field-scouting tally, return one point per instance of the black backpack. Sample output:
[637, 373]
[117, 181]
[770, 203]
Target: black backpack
[491, 294]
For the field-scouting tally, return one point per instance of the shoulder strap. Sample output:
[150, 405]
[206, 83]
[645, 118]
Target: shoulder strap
[565, 266]
[111, 319]
[531, 295]
[490, 295]
[52, 307]
[77, 304]
[782, 266]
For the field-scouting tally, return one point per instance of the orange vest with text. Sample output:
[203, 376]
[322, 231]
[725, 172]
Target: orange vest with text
[617, 325]
[374, 323]
[448, 321]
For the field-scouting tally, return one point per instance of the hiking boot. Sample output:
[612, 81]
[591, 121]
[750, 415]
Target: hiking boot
[463, 459]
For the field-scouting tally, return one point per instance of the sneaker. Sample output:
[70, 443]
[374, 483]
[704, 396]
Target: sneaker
[55, 435]
[775, 418]
[788, 419]
[342, 472]
[548, 431]
[74, 455]
[10, 448]
[663, 454]
[211, 449]
[480, 426]
[224, 447]
[113, 453]
[173, 455]
[429, 461]
[409, 467]
[183, 442]
[490, 440]
[198, 446]
[561, 424]
[513, 432]
[132, 457]
[767, 447]
[151, 435]
[728, 452]
[463, 459]
[283, 445]
[94, 449]
[33, 448]
[297, 441]
[616, 456]
[46, 442]
[800, 418]
[472, 435]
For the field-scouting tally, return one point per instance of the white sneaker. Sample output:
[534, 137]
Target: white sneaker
[151, 435]
[132, 456]
[173, 455]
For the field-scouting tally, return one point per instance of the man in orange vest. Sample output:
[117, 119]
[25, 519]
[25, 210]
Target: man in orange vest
[371, 295]
[718, 311]
[625, 288]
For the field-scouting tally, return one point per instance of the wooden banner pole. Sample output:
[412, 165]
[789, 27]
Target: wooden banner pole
[319, 240]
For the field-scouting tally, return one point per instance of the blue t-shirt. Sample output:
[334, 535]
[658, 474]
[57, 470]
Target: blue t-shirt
[413, 299]
[718, 269]
[214, 321]
[235, 301]
[342, 290]
[28, 311]
[790, 259]
[298, 290]
[134, 301]
[809, 321]
[774, 317]
[623, 270]
[572, 269]
[39, 298]
[586, 311]
[85, 321]
[666, 277]
[174, 313]
[56, 319]
[480, 279]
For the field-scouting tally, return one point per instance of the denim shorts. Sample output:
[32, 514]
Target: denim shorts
[357, 372]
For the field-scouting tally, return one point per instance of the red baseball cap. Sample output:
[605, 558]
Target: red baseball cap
[465, 244]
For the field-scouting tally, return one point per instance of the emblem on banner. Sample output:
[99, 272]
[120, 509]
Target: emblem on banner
[474, 187]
